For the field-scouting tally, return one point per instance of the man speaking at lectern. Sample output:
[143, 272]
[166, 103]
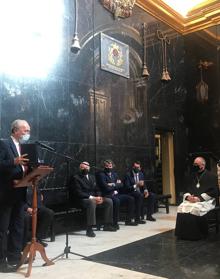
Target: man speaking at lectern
[12, 200]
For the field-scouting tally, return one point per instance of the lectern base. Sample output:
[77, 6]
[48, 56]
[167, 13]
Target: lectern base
[30, 252]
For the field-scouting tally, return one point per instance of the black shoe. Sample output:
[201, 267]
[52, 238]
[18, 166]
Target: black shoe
[26, 261]
[130, 223]
[109, 228]
[14, 259]
[44, 244]
[13, 262]
[140, 222]
[7, 268]
[90, 233]
[116, 226]
[150, 218]
[98, 227]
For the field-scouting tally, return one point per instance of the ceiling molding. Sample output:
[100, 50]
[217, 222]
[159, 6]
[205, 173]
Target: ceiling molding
[203, 16]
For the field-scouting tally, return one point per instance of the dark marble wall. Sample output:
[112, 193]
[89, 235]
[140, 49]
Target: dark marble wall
[202, 118]
[121, 124]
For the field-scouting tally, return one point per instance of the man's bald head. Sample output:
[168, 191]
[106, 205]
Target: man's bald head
[84, 166]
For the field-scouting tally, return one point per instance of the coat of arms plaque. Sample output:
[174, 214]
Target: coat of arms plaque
[114, 56]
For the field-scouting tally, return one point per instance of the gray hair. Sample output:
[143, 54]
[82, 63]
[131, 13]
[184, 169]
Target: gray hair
[203, 161]
[16, 124]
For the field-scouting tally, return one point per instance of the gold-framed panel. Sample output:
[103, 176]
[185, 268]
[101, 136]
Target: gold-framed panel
[202, 16]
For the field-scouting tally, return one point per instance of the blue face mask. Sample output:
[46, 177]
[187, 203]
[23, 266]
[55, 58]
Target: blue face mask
[24, 138]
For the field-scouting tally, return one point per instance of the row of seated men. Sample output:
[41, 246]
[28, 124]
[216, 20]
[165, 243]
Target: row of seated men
[105, 190]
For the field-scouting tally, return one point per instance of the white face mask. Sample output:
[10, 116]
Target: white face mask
[24, 138]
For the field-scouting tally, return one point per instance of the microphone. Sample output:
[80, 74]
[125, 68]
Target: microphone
[45, 146]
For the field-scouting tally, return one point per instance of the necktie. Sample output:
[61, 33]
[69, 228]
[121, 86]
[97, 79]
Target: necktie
[24, 167]
[136, 178]
[136, 181]
[19, 148]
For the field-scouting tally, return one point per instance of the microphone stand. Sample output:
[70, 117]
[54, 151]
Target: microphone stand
[67, 248]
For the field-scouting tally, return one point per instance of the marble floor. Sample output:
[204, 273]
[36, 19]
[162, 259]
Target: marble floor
[145, 251]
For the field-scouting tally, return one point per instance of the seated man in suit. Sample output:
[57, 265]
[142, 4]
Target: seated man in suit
[83, 186]
[110, 185]
[134, 185]
[45, 217]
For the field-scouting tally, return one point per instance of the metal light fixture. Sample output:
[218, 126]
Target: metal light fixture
[164, 41]
[145, 72]
[75, 47]
[202, 88]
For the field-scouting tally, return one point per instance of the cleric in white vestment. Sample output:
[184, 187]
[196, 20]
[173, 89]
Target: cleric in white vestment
[200, 198]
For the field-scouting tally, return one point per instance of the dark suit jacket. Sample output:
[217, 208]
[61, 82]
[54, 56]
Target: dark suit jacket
[103, 178]
[129, 181]
[30, 198]
[81, 187]
[9, 172]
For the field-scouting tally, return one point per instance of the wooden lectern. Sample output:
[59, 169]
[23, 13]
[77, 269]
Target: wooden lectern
[31, 180]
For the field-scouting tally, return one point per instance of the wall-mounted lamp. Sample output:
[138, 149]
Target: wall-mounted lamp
[164, 42]
[75, 47]
[202, 87]
[145, 72]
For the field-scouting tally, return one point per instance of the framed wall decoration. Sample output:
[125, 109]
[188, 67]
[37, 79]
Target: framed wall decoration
[114, 56]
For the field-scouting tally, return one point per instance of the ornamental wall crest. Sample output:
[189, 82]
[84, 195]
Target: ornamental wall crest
[119, 8]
